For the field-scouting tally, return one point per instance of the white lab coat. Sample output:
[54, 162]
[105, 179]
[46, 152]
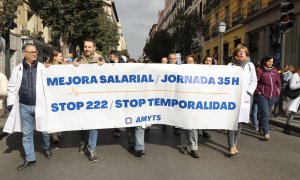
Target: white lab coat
[13, 122]
[294, 83]
[248, 88]
[3, 89]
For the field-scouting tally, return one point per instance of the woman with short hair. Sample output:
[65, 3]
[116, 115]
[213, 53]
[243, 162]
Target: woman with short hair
[241, 58]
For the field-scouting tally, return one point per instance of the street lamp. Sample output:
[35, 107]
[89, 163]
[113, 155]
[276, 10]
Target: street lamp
[222, 29]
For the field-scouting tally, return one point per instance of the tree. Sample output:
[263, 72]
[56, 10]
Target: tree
[183, 30]
[159, 46]
[8, 9]
[75, 20]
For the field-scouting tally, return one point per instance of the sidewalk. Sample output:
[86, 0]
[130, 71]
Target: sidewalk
[280, 121]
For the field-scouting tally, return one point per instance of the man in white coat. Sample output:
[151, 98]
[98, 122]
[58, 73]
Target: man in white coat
[21, 101]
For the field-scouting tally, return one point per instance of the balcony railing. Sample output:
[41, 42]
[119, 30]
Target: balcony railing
[236, 17]
[253, 7]
[214, 3]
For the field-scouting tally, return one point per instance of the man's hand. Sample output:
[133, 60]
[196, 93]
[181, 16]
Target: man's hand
[76, 64]
[47, 65]
[100, 63]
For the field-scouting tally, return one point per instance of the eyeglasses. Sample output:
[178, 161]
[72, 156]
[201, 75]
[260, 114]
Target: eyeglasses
[32, 52]
[241, 52]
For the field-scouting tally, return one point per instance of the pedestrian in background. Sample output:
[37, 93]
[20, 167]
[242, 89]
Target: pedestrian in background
[172, 60]
[208, 60]
[136, 135]
[241, 58]
[267, 91]
[293, 104]
[189, 137]
[114, 57]
[56, 58]
[285, 76]
[164, 60]
[21, 101]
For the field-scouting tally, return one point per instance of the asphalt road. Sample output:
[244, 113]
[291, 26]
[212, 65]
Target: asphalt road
[278, 158]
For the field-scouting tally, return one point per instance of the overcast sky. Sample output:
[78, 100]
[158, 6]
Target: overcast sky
[137, 18]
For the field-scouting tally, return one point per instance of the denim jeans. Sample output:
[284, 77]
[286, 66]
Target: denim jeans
[90, 136]
[136, 137]
[254, 115]
[265, 106]
[290, 118]
[27, 115]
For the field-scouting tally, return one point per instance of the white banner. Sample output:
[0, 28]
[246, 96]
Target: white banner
[125, 95]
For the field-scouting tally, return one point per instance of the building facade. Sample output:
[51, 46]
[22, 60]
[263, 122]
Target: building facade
[30, 29]
[111, 11]
[251, 22]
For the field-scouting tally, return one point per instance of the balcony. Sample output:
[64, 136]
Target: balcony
[214, 3]
[253, 7]
[214, 30]
[236, 17]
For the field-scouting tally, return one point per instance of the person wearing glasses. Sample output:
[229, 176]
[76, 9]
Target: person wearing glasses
[21, 101]
[172, 60]
[241, 58]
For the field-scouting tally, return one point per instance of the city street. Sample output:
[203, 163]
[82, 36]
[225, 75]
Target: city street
[69, 65]
[278, 158]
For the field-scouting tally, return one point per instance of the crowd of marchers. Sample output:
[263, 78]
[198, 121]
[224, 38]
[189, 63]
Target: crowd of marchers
[262, 88]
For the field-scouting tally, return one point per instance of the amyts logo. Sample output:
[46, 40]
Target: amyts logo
[148, 118]
[139, 119]
[128, 120]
